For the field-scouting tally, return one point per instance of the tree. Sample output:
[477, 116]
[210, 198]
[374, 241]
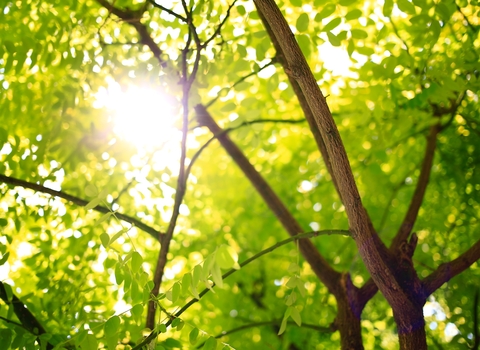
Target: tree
[118, 240]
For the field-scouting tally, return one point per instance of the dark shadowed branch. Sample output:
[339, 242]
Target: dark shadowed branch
[78, 201]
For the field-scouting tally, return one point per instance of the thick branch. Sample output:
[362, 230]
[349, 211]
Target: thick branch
[418, 195]
[78, 201]
[373, 251]
[318, 263]
[448, 270]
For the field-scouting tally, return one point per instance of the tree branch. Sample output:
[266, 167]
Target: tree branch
[448, 270]
[163, 8]
[133, 18]
[302, 101]
[187, 81]
[25, 316]
[299, 237]
[318, 263]
[269, 323]
[81, 202]
[220, 26]
[419, 193]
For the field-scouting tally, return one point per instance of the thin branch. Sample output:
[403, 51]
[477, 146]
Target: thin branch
[163, 8]
[6, 320]
[219, 28]
[133, 18]
[241, 80]
[227, 130]
[448, 270]
[81, 202]
[399, 37]
[182, 174]
[269, 323]
[277, 245]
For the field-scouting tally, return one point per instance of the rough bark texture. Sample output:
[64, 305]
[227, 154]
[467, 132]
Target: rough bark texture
[375, 255]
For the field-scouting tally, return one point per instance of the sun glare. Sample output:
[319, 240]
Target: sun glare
[141, 115]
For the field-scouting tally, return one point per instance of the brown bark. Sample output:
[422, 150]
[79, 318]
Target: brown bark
[447, 271]
[395, 286]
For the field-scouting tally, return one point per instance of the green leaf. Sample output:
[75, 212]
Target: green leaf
[193, 336]
[305, 45]
[186, 282]
[6, 336]
[118, 235]
[225, 257]
[197, 274]
[359, 34]
[137, 261]
[353, 14]
[89, 343]
[217, 275]
[112, 326]
[162, 328]
[326, 11]
[173, 343]
[93, 203]
[406, 6]
[296, 316]
[137, 311]
[103, 218]
[207, 266]
[91, 191]
[105, 239]
[176, 289]
[347, 2]
[210, 344]
[296, 3]
[118, 274]
[4, 258]
[302, 22]
[333, 39]
[387, 8]
[332, 24]
[3, 222]
[283, 326]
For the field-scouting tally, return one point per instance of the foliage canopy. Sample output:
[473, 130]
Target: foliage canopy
[148, 148]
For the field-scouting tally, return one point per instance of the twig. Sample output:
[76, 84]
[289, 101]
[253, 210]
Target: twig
[241, 80]
[81, 202]
[269, 323]
[133, 18]
[163, 8]
[305, 235]
[219, 28]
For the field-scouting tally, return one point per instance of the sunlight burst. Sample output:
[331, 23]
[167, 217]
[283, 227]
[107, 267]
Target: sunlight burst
[141, 115]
